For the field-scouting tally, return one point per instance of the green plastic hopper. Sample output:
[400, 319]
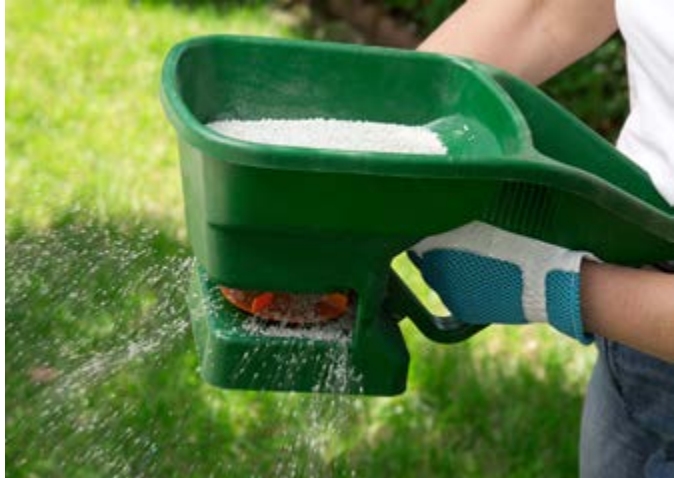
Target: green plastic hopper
[311, 220]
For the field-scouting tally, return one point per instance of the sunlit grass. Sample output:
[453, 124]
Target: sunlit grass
[84, 123]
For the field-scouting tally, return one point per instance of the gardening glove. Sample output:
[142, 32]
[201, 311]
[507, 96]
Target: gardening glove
[487, 275]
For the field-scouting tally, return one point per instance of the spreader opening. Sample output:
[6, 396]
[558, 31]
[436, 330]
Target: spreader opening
[287, 308]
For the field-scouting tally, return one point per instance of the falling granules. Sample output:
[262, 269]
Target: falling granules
[337, 330]
[320, 133]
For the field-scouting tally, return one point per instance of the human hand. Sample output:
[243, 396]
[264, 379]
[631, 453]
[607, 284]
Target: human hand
[487, 275]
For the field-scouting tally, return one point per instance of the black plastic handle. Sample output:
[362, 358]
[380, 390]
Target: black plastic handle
[401, 302]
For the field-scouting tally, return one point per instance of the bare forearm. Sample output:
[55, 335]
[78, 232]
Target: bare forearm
[533, 39]
[631, 306]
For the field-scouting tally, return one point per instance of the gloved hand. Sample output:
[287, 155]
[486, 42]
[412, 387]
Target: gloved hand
[487, 275]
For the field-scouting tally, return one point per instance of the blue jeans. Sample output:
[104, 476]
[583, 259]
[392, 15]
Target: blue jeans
[628, 418]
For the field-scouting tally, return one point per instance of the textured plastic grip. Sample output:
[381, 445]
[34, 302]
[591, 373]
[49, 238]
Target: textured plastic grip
[401, 302]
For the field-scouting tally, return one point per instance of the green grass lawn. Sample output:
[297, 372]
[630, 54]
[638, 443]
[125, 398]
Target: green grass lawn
[101, 372]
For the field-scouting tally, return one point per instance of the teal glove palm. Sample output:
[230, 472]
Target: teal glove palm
[486, 275]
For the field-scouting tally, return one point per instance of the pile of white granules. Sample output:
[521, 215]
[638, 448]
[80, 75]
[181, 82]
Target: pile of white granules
[335, 135]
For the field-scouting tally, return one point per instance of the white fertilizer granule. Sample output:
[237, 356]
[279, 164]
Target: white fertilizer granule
[338, 330]
[334, 134]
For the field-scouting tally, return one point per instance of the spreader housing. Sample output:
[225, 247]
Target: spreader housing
[306, 220]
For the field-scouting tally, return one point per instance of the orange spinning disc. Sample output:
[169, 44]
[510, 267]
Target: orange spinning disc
[287, 307]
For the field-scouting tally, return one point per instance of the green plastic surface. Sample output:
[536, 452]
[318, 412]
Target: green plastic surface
[305, 220]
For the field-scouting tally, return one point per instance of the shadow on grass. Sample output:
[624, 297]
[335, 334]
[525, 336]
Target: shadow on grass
[472, 414]
[101, 381]
[95, 317]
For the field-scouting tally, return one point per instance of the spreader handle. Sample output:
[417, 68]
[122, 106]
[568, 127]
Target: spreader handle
[401, 302]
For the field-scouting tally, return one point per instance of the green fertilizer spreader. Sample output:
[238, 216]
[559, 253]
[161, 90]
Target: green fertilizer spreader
[301, 220]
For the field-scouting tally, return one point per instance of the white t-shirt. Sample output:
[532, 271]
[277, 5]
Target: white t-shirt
[648, 134]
